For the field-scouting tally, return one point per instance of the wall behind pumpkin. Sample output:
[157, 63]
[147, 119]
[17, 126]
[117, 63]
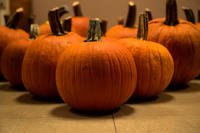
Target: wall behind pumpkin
[110, 9]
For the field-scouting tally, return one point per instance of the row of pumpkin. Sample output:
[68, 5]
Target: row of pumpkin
[99, 71]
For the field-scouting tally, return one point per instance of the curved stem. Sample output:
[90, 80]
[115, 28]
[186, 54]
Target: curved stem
[149, 14]
[103, 24]
[120, 21]
[94, 33]
[199, 15]
[15, 19]
[54, 22]
[34, 31]
[189, 14]
[67, 24]
[77, 8]
[131, 15]
[143, 27]
[30, 21]
[171, 13]
[62, 10]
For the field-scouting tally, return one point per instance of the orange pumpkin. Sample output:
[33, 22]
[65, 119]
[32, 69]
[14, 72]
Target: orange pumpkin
[121, 31]
[8, 33]
[96, 75]
[80, 24]
[182, 39]
[12, 57]
[153, 61]
[40, 60]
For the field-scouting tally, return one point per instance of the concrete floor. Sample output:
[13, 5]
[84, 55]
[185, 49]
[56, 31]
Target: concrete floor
[172, 112]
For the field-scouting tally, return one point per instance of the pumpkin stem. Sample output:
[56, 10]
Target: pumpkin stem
[149, 14]
[131, 15]
[103, 24]
[77, 9]
[34, 31]
[62, 10]
[120, 21]
[94, 32]
[67, 24]
[171, 13]
[14, 20]
[6, 18]
[54, 22]
[31, 20]
[142, 27]
[199, 15]
[189, 14]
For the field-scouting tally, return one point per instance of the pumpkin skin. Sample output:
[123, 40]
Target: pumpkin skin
[183, 43]
[39, 64]
[119, 32]
[80, 25]
[96, 76]
[12, 59]
[154, 65]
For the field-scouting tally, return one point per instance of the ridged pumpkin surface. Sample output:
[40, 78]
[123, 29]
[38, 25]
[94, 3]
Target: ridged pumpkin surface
[96, 76]
[154, 65]
[183, 42]
[39, 65]
[12, 59]
[119, 32]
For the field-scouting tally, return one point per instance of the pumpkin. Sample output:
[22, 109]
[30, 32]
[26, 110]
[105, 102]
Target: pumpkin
[8, 33]
[127, 30]
[96, 75]
[40, 60]
[12, 57]
[80, 24]
[153, 61]
[182, 39]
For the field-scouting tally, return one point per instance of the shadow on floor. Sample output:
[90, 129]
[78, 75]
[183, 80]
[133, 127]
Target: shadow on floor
[7, 87]
[30, 99]
[162, 98]
[191, 87]
[69, 113]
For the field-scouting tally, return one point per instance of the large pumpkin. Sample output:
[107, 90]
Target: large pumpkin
[128, 30]
[96, 75]
[182, 39]
[40, 60]
[153, 61]
[8, 33]
[13, 55]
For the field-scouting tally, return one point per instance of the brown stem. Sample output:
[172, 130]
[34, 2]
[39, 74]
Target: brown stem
[62, 11]
[34, 31]
[171, 13]
[199, 15]
[54, 22]
[6, 18]
[103, 24]
[149, 14]
[120, 21]
[189, 14]
[77, 8]
[143, 27]
[15, 19]
[30, 21]
[94, 33]
[67, 24]
[131, 15]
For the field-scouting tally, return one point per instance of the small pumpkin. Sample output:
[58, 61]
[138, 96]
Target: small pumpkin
[80, 24]
[12, 57]
[40, 60]
[182, 39]
[96, 75]
[8, 33]
[127, 30]
[153, 61]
